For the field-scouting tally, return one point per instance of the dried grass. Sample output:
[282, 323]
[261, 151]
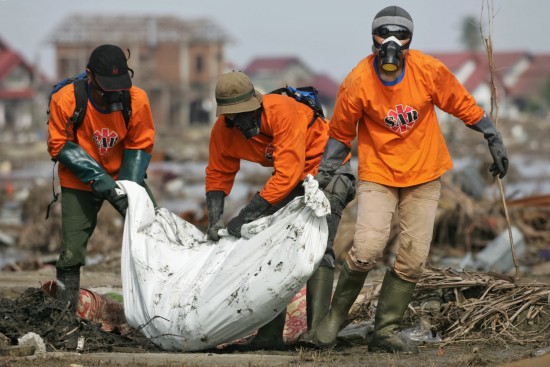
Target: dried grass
[475, 307]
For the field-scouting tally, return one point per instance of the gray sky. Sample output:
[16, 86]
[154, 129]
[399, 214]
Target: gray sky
[330, 38]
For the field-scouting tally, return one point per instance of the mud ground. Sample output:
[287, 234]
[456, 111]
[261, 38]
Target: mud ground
[20, 294]
[114, 351]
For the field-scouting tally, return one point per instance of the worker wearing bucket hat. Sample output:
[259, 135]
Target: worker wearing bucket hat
[276, 131]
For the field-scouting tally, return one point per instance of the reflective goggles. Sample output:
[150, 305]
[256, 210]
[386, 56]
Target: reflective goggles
[399, 32]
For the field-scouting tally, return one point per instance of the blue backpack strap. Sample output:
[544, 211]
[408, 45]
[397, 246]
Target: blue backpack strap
[306, 95]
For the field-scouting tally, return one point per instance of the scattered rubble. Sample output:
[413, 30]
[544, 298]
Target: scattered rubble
[469, 306]
[34, 311]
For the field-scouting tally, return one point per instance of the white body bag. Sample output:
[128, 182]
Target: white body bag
[187, 293]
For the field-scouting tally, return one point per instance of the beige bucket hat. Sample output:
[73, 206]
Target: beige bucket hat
[235, 94]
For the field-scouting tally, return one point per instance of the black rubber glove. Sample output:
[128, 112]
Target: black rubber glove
[496, 146]
[104, 187]
[254, 210]
[212, 231]
[214, 202]
[334, 154]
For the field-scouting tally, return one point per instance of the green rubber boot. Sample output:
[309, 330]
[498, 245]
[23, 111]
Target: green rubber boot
[318, 293]
[350, 283]
[393, 301]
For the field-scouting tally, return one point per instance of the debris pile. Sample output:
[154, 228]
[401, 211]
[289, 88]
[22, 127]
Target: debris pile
[469, 306]
[37, 312]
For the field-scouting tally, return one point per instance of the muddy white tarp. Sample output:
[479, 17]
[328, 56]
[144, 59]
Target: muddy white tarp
[188, 294]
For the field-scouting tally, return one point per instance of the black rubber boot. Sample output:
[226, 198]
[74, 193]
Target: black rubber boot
[393, 301]
[68, 286]
[350, 283]
[318, 293]
[270, 336]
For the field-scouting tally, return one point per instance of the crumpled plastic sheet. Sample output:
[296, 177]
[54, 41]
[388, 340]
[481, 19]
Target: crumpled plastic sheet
[186, 293]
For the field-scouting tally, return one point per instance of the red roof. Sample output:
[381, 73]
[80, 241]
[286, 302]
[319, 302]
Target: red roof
[503, 62]
[325, 85]
[534, 78]
[25, 93]
[8, 61]
[270, 63]
[528, 82]
[453, 60]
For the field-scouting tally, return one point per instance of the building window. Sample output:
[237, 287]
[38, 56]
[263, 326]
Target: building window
[199, 64]
[68, 67]
[200, 112]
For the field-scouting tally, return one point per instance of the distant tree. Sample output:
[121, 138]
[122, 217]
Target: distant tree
[545, 93]
[471, 36]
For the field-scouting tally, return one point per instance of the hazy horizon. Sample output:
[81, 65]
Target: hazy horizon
[330, 38]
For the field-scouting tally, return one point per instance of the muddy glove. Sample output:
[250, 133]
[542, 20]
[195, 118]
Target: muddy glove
[79, 162]
[214, 203]
[333, 156]
[104, 187]
[254, 210]
[496, 146]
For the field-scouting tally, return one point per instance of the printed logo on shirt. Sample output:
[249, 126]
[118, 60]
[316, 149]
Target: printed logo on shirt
[401, 119]
[269, 152]
[105, 139]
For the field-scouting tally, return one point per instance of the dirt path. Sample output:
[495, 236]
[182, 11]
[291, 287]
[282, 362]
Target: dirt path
[344, 357]
[12, 284]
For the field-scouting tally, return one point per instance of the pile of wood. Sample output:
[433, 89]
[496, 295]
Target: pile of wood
[486, 306]
[472, 307]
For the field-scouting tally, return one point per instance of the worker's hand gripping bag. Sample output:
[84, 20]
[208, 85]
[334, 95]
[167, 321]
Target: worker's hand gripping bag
[188, 294]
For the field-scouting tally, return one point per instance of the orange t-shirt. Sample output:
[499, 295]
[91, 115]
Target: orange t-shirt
[285, 143]
[399, 140]
[104, 136]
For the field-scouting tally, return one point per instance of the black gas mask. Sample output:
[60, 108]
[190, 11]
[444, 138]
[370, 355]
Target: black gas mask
[390, 54]
[247, 122]
[113, 100]
[391, 49]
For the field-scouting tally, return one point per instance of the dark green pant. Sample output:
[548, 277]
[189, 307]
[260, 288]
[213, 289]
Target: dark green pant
[79, 211]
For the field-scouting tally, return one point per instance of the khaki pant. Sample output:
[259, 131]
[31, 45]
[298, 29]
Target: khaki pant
[377, 204]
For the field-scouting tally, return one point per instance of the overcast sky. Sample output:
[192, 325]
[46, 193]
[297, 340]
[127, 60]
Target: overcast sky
[329, 38]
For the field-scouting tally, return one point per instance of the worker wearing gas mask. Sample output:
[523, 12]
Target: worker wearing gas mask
[388, 102]
[276, 131]
[103, 149]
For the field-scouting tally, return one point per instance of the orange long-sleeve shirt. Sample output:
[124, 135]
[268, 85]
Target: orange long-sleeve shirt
[285, 143]
[104, 136]
[400, 143]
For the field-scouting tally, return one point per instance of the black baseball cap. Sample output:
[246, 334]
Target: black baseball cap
[110, 68]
